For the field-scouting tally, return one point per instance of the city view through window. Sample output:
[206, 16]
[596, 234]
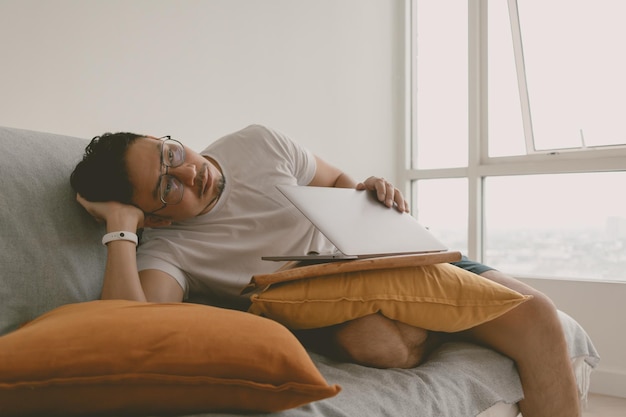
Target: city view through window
[570, 226]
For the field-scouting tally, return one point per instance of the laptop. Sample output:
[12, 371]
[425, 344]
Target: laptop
[357, 224]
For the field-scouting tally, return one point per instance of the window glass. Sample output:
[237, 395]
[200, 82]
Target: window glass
[576, 82]
[575, 74]
[574, 66]
[506, 132]
[564, 226]
[441, 77]
[441, 206]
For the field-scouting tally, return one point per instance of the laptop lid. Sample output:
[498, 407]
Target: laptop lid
[358, 224]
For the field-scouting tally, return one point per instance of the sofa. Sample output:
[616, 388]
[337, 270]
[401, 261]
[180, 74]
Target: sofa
[64, 352]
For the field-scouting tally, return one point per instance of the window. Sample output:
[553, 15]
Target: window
[441, 79]
[518, 146]
[564, 225]
[559, 65]
[446, 218]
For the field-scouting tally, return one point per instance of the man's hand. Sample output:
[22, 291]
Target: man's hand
[117, 216]
[386, 193]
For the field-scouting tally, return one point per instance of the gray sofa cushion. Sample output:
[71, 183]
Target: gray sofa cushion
[50, 250]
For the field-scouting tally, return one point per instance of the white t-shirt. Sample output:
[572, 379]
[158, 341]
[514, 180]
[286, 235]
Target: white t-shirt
[213, 256]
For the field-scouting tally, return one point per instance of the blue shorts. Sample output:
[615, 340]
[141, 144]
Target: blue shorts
[472, 266]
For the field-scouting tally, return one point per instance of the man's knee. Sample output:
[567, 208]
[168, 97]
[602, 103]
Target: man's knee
[380, 342]
[518, 332]
[539, 309]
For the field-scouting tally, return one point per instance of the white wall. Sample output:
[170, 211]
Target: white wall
[328, 73]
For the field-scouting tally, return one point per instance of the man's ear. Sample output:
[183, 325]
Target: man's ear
[156, 221]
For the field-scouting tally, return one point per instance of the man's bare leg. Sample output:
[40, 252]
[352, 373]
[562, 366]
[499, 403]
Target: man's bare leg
[380, 342]
[373, 340]
[532, 336]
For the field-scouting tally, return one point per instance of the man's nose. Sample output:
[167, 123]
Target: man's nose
[186, 173]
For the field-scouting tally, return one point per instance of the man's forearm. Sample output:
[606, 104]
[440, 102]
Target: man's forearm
[121, 279]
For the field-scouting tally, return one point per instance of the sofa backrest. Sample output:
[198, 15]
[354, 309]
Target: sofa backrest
[50, 250]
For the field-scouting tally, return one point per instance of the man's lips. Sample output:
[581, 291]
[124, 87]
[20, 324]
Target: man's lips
[205, 181]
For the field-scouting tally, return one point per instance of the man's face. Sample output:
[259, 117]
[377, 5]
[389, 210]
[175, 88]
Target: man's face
[200, 177]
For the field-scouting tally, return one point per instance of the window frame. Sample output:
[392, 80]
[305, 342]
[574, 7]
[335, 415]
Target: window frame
[480, 165]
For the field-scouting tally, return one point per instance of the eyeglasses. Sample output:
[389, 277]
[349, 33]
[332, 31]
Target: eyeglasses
[170, 188]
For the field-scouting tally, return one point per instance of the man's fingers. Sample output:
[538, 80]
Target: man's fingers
[390, 194]
[385, 192]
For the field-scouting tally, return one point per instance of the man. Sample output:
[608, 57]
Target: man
[209, 218]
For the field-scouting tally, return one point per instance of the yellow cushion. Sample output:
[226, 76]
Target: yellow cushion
[439, 297]
[132, 358]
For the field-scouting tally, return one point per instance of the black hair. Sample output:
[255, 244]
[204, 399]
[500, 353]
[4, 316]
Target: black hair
[102, 174]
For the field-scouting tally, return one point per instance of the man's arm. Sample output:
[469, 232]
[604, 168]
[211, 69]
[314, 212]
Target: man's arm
[121, 278]
[327, 175]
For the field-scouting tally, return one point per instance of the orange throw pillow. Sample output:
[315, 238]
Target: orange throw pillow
[439, 297]
[133, 358]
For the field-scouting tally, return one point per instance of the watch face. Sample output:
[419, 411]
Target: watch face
[129, 236]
